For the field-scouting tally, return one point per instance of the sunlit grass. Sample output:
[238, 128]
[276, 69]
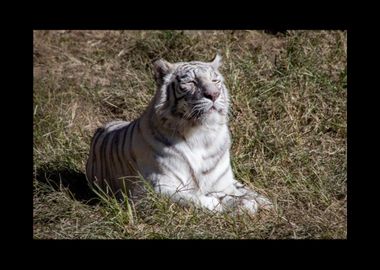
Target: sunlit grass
[288, 126]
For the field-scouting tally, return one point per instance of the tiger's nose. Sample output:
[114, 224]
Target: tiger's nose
[213, 95]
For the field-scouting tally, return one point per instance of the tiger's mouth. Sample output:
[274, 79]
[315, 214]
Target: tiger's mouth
[202, 111]
[212, 109]
[205, 112]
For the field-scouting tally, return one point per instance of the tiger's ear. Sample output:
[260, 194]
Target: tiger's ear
[217, 61]
[162, 68]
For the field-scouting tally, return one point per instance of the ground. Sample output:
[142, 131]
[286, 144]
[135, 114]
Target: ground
[288, 125]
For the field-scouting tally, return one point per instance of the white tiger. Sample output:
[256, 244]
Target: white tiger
[180, 144]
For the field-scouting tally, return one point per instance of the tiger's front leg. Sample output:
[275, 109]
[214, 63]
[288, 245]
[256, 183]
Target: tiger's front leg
[187, 197]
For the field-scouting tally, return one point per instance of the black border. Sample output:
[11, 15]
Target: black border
[249, 19]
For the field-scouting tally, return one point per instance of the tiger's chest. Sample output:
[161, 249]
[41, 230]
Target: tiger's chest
[195, 156]
[204, 152]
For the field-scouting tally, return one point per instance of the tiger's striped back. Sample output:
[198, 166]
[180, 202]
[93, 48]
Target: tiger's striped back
[110, 156]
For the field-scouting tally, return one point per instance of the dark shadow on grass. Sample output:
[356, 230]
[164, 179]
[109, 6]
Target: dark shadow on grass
[74, 181]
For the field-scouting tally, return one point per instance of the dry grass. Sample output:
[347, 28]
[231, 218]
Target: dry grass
[288, 125]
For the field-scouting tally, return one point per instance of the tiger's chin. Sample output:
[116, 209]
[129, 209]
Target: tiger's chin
[211, 116]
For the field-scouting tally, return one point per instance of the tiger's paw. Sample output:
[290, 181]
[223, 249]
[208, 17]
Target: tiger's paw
[211, 203]
[253, 205]
[264, 202]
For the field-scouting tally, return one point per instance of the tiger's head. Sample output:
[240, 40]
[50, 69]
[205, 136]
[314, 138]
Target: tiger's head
[191, 92]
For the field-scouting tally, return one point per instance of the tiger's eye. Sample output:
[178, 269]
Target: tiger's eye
[188, 84]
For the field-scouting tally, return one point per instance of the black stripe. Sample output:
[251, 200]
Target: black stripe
[98, 154]
[96, 135]
[175, 92]
[168, 94]
[115, 151]
[220, 151]
[173, 107]
[119, 155]
[133, 156]
[195, 70]
[223, 174]
[138, 126]
[120, 150]
[95, 139]
[127, 152]
[111, 161]
[173, 172]
[157, 134]
[167, 103]
[191, 170]
[115, 160]
[107, 156]
[173, 110]
[216, 162]
[111, 157]
[187, 67]
[125, 135]
[159, 137]
[104, 169]
[147, 142]
[172, 90]
[178, 98]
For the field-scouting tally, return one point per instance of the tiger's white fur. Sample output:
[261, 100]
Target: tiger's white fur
[180, 144]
